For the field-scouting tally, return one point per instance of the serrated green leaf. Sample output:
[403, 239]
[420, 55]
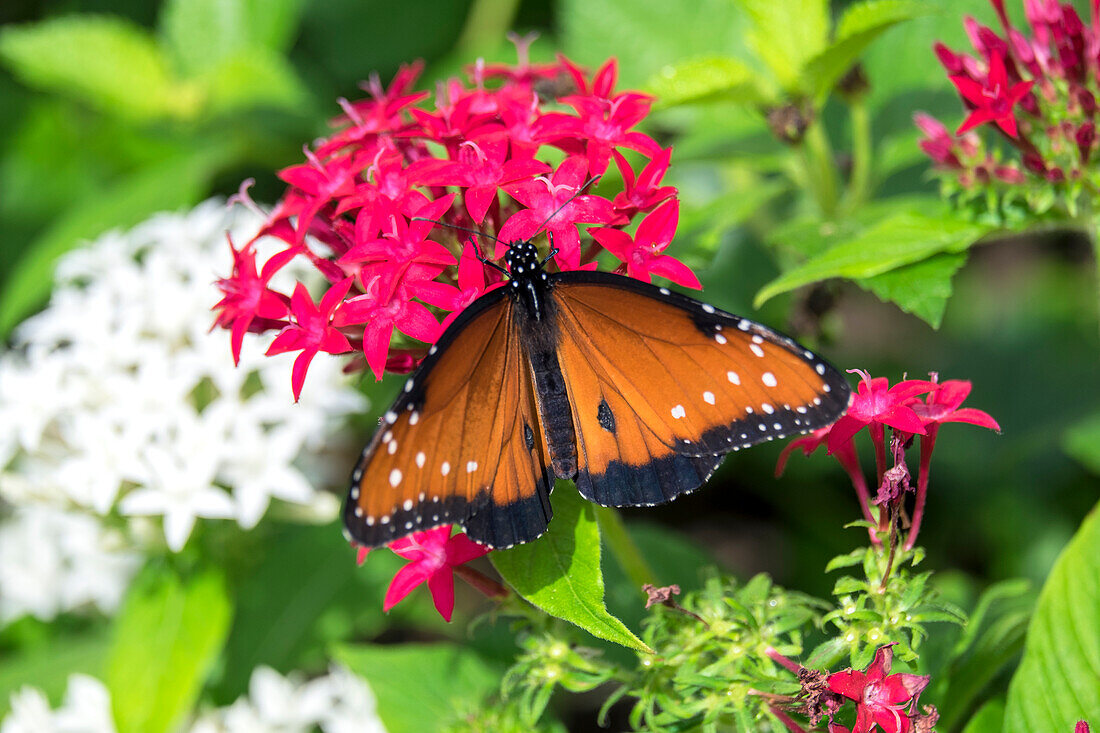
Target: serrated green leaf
[855, 557]
[560, 572]
[105, 61]
[860, 25]
[419, 686]
[848, 584]
[201, 34]
[921, 289]
[786, 34]
[706, 79]
[169, 184]
[166, 639]
[1058, 680]
[901, 240]
[1082, 442]
[249, 79]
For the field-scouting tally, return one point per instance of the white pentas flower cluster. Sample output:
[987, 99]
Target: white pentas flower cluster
[339, 702]
[118, 399]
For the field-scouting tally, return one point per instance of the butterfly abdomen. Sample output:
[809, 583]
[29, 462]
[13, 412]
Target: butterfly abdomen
[554, 412]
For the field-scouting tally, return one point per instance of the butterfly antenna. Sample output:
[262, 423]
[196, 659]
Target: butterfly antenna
[477, 249]
[555, 212]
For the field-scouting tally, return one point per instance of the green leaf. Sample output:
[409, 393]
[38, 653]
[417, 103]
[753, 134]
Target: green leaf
[307, 575]
[169, 184]
[706, 79]
[1082, 442]
[48, 666]
[989, 718]
[1058, 680]
[419, 686]
[560, 572]
[167, 638]
[201, 34]
[900, 240]
[105, 61]
[647, 35]
[786, 34]
[251, 78]
[860, 25]
[921, 288]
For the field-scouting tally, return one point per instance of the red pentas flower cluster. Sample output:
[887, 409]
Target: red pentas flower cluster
[1035, 88]
[383, 208]
[912, 407]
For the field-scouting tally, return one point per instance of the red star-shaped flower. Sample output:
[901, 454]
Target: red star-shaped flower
[880, 698]
[875, 402]
[994, 99]
[312, 330]
[382, 312]
[642, 253]
[942, 405]
[432, 556]
[247, 297]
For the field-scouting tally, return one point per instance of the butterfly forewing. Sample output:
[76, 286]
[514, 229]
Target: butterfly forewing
[461, 444]
[661, 386]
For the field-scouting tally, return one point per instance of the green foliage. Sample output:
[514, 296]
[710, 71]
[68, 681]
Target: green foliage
[1058, 680]
[419, 686]
[922, 288]
[1082, 442]
[49, 664]
[903, 239]
[786, 34]
[157, 96]
[107, 62]
[174, 182]
[710, 79]
[166, 640]
[560, 572]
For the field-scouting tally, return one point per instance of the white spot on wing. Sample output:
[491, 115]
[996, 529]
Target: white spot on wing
[820, 369]
[755, 348]
[708, 397]
[663, 291]
[708, 308]
[395, 477]
[414, 418]
[408, 504]
[734, 379]
[767, 408]
[391, 417]
[420, 458]
[392, 447]
[678, 412]
[471, 466]
[769, 379]
[445, 468]
[720, 338]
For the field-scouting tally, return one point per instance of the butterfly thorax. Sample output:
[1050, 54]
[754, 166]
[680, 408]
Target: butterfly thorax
[530, 287]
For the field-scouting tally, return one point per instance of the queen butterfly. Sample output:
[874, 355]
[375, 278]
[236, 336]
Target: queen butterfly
[633, 391]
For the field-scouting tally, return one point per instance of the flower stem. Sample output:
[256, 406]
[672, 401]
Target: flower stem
[786, 720]
[860, 182]
[482, 582]
[626, 553]
[820, 168]
[927, 442]
[486, 24]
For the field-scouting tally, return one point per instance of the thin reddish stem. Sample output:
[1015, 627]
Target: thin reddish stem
[778, 658]
[785, 719]
[482, 582]
[927, 443]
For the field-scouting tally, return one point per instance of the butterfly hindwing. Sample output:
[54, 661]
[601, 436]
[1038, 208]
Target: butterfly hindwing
[461, 444]
[662, 386]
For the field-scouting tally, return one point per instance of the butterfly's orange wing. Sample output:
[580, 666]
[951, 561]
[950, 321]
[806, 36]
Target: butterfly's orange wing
[661, 386]
[462, 443]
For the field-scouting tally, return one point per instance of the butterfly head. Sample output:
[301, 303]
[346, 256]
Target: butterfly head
[524, 264]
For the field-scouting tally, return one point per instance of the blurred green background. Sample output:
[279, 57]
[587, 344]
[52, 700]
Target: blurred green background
[114, 109]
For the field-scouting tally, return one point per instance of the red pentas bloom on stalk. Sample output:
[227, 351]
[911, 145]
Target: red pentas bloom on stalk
[1035, 87]
[912, 407]
[885, 700]
[382, 208]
